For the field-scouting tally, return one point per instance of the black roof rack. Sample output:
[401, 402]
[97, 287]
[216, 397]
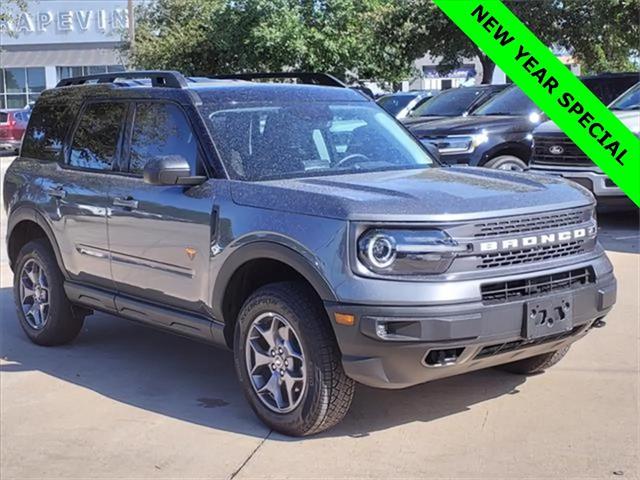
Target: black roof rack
[159, 78]
[304, 77]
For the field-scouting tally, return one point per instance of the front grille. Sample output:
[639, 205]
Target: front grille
[529, 255]
[531, 223]
[498, 348]
[502, 292]
[571, 155]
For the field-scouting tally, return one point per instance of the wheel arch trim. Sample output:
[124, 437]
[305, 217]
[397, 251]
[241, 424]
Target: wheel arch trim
[267, 250]
[28, 213]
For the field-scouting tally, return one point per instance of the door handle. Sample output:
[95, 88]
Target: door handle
[56, 192]
[125, 203]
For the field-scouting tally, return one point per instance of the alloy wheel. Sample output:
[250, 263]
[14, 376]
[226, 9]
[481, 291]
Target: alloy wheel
[34, 294]
[275, 362]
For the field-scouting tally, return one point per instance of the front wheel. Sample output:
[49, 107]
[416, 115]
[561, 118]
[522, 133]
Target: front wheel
[507, 162]
[288, 361]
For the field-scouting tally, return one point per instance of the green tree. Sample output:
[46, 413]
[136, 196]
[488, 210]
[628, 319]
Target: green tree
[602, 34]
[9, 11]
[226, 36]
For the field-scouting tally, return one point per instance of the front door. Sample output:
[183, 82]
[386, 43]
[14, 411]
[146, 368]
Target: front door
[160, 235]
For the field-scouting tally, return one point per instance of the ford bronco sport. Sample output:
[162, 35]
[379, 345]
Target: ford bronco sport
[300, 226]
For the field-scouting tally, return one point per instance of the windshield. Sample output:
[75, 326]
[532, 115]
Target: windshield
[395, 103]
[511, 101]
[450, 103]
[266, 141]
[629, 100]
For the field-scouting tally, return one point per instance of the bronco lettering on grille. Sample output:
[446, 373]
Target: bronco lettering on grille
[537, 240]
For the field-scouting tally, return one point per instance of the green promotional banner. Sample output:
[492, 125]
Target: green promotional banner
[551, 86]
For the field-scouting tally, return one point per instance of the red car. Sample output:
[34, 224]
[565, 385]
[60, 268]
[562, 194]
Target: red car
[13, 123]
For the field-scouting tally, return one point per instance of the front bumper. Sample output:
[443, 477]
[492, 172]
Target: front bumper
[596, 182]
[481, 335]
[10, 145]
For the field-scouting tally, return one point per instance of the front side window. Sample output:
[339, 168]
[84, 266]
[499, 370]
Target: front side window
[450, 103]
[161, 129]
[395, 103]
[511, 101]
[96, 139]
[266, 141]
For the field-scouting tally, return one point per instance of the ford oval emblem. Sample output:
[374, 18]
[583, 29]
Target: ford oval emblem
[556, 150]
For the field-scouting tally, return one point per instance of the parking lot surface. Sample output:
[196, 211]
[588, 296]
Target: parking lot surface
[125, 401]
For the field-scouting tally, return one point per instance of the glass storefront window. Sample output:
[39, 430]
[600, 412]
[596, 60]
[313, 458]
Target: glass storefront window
[20, 86]
[96, 69]
[15, 80]
[68, 72]
[16, 101]
[35, 80]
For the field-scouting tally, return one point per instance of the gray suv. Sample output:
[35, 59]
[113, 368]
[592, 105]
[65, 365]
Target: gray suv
[298, 225]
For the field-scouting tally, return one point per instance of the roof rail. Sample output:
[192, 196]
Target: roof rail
[159, 78]
[304, 77]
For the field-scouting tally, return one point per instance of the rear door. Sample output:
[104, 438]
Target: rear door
[81, 189]
[160, 235]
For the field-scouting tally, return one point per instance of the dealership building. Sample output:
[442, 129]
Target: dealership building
[56, 39]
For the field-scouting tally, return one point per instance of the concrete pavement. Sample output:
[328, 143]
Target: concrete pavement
[125, 401]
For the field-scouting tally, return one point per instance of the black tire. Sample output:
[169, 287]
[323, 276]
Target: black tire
[504, 161]
[328, 391]
[62, 324]
[537, 364]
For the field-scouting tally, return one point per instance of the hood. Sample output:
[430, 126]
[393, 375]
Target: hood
[473, 124]
[630, 118]
[413, 122]
[431, 194]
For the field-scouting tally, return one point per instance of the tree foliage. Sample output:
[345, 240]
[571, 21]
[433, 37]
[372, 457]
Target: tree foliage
[224, 36]
[10, 9]
[365, 39]
[601, 34]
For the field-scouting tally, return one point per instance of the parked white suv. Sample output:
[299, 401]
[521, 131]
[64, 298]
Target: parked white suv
[554, 153]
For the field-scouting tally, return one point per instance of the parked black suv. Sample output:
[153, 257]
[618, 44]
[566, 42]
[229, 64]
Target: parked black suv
[451, 103]
[300, 226]
[496, 135]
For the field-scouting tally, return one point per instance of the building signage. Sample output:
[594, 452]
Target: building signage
[53, 21]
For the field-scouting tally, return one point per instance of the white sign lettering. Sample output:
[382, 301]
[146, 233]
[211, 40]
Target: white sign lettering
[59, 21]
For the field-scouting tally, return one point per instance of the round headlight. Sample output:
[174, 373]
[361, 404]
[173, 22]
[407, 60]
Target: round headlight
[381, 250]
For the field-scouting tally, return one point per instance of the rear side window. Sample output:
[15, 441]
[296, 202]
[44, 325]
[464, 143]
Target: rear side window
[46, 132]
[4, 117]
[96, 139]
[161, 129]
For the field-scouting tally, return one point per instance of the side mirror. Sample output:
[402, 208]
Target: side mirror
[433, 150]
[170, 170]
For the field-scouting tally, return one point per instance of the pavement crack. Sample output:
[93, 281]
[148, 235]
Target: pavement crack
[484, 422]
[255, 450]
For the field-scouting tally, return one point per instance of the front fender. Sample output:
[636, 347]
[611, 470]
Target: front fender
[300, 260]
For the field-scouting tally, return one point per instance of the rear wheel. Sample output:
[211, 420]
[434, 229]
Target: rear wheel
[44, 311]
[288, 361]
[537, 364]
[507, 162]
